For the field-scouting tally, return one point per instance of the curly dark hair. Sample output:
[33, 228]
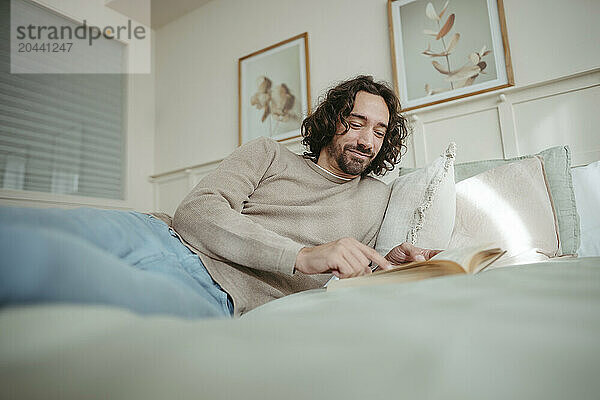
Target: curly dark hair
[319, 128]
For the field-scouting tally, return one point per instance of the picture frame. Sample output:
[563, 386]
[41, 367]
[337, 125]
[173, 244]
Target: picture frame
[438, 55]
[274, 90]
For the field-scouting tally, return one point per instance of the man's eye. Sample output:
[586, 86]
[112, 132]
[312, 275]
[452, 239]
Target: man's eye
[354, 125]
[380, 134]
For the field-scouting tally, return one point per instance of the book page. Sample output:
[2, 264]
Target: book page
[484, 259]
[405, 273]
[469, 257]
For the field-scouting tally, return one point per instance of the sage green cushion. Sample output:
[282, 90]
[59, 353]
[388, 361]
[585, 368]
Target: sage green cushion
[557, 164]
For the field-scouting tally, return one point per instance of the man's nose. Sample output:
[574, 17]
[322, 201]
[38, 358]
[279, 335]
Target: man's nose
[365, 139]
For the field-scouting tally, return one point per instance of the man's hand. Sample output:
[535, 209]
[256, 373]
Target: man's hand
[344, 258]
[406, 252]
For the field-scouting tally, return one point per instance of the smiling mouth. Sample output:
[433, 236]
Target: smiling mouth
[359, 154]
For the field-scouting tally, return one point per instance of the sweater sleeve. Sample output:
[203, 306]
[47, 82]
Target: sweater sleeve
[210, 218]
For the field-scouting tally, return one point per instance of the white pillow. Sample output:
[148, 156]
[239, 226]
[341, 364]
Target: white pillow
[422, 206]
[510, 207]
[586, 181]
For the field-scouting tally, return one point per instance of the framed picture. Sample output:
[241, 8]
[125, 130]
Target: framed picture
[274, 90]
[447, 49]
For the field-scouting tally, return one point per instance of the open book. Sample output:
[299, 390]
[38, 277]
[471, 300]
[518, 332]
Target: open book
[469, 260]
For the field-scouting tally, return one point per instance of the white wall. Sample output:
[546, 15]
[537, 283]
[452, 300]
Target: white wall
[552, 38]
[197, 57]
[197, 60]
[140, 127]
[141, 119]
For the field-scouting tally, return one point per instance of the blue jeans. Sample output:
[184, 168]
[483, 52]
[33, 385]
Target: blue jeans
[119, 258]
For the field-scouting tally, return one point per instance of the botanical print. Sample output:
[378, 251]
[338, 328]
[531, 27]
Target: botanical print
[447, 49]
[277, 103]
[460, 77]
[273, 91]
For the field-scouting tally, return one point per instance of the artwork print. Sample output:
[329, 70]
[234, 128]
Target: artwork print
[448, 49]
[274, 91]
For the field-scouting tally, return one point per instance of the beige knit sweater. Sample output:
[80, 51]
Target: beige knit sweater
[249, 218]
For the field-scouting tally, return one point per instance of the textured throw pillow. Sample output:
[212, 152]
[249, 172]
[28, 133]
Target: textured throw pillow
[586, 183]
[557, 163]
[509, 206]
[422, 207]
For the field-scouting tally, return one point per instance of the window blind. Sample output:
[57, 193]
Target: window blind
[61, 133]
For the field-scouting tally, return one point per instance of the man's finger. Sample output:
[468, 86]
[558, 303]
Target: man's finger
[344, 269]
[416, 253]
[430, 253]
[355, 263]
[407, 248]
[401, 255]
[374, 256]
[397, 256]
[359, 257]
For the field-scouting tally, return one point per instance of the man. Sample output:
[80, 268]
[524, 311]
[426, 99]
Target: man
[267, 222]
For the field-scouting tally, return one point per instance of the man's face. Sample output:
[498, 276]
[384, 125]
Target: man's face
[350, 153]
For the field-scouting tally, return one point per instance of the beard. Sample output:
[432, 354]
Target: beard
[348, 162]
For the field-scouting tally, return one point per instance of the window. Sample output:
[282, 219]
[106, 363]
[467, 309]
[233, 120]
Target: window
[61, 133]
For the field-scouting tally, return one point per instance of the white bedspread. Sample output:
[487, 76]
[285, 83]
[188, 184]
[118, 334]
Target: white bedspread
[527, 332]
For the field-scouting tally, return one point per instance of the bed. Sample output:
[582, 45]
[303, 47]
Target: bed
[522, 332]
